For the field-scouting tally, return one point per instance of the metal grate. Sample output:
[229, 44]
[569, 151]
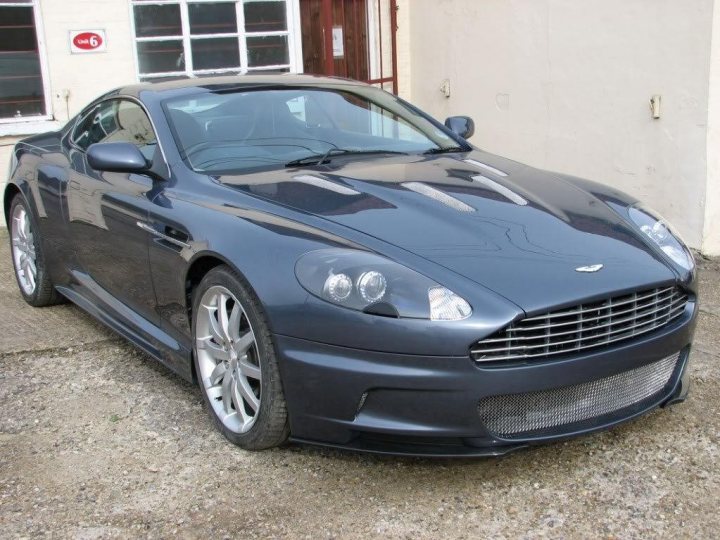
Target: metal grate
[526, 414]
[586, 326]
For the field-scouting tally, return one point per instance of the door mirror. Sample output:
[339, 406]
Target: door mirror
[117, 157]
[461, 125]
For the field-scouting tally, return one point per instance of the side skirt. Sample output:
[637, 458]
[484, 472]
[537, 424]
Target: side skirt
[170, 355]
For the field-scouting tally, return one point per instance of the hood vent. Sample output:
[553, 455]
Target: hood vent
[485, 167]
[325, 184]
[502, 190]
[439, 196]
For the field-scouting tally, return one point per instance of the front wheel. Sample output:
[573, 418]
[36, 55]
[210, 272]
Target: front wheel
[236, 364]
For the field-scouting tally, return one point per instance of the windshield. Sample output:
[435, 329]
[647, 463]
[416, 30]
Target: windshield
[221, 133]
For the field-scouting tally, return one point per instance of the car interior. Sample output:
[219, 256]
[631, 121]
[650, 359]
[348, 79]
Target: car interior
[259, 129]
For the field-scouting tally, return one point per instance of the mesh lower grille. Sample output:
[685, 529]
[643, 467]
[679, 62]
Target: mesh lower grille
[513, 415]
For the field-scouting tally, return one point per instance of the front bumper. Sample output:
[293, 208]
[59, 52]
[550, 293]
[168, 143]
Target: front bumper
[428, 405]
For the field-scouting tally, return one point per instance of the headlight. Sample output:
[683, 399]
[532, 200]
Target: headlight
[367, 282]
[660, 232]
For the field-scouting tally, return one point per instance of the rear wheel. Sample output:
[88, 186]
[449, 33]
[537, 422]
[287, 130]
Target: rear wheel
[236, 364]
[27, 256]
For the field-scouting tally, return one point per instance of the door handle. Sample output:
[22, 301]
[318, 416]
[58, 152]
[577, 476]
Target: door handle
[168, 238]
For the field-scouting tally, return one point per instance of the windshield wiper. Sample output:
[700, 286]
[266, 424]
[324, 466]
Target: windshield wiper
[320, 159]
[447, 150]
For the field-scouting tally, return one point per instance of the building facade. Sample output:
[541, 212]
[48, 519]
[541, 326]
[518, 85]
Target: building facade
[559, 84]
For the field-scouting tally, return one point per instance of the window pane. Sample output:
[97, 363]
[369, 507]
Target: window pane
[161, 56]
[153, 21]
[215, 53]
[21, 87]
[265, 16]
[224, 73]
[267, 51]
[116, 121]
[153, 79]
[285, 69]
[220, 18]
[91, 128]
[133, 126]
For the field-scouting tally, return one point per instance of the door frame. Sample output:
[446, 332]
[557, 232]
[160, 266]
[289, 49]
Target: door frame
[376, 54]
[375, 29]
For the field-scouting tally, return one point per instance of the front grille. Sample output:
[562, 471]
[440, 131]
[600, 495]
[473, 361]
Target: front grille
[586, 326]
[523, 415]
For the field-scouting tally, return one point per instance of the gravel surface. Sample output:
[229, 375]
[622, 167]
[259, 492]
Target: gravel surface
[97, 440]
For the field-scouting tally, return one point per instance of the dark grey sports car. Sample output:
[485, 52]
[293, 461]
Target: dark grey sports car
[333, 266]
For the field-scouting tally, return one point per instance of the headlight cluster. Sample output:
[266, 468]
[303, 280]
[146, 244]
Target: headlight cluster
[660, 232]
[367, 282]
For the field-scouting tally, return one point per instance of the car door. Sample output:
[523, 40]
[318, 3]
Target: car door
[107, 210]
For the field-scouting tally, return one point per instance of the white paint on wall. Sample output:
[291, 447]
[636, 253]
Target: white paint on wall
[6, 145]
[86, 76]
[565, 85]
[404, 51]
[711, 236]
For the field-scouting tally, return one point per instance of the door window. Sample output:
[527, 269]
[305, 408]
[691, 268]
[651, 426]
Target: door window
[116, 120]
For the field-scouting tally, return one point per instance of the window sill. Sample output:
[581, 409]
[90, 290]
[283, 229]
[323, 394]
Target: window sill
[28, 127]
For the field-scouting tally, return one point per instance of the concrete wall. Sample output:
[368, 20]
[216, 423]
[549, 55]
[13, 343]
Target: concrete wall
[404, 51]
[711, 241]
[565, 85]
[6, 144]
[86, 76]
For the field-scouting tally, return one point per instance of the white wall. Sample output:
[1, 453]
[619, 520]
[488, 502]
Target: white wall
[565, 85]
[6, 145]
[86, 76]
[404, 51]
[711, 241]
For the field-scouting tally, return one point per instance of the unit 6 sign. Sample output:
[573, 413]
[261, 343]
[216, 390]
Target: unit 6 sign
[87, 41]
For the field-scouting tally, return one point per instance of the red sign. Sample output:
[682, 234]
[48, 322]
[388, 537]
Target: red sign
[88, 41]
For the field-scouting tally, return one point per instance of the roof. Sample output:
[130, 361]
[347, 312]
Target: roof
[235, 81]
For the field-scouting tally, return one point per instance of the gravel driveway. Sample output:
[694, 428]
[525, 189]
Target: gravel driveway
[97, 440]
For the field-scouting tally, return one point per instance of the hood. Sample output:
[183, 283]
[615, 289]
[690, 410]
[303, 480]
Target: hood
[518, 231]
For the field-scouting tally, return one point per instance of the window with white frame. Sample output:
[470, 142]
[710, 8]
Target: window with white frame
[197, 37]
[23, 92]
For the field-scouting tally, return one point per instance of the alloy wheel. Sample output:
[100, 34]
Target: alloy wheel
[228, 359]
[23, 250]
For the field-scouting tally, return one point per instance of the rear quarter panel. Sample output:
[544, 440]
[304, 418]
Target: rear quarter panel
[41, 176]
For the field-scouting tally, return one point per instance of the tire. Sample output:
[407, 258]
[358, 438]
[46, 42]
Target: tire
[26, 252]
[231, 370]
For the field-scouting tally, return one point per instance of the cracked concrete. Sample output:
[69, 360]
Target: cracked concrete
[99, 441]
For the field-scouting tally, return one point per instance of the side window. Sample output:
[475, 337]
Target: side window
[117, 121]
[92, 127]
[133, 126]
